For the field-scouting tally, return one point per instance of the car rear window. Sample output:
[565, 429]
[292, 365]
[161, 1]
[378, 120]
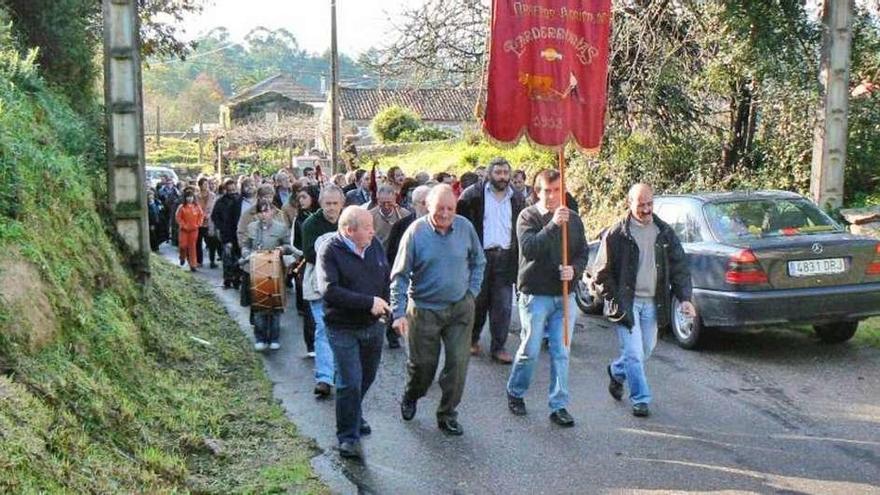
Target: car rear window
[756, 218]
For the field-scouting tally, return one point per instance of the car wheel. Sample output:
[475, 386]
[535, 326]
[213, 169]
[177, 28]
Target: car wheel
[689, 333]
[833, 333]
[586, 300]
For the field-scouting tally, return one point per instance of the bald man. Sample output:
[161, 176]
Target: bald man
[640, 266]
[353, 275]
[436, 277]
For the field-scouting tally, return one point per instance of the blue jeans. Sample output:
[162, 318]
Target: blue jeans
[323, 352]
[357, 353]
[636, 345]
[542, 315]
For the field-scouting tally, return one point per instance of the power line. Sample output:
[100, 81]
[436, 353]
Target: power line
[197, 55]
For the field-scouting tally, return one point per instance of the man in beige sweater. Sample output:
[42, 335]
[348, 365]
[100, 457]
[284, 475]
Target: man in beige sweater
[387, 213]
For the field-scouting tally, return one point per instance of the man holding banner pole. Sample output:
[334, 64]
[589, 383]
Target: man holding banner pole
[545, 307]
[547, 79]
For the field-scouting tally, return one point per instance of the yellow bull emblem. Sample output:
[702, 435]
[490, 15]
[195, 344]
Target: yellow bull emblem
[537, 86]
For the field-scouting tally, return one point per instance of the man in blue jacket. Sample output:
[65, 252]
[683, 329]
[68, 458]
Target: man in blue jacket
[353, 276]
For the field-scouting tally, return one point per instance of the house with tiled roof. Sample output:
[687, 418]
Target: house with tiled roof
[447, 108]
[271, 100]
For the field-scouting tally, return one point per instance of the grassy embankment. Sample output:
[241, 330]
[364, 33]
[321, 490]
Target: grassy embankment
[103, 388]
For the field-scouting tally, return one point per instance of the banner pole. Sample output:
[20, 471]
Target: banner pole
[564, 200]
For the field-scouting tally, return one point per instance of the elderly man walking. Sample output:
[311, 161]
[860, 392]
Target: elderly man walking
[434, 281]
[493, 206]
[321, 222]
[640, 266]
[541, 274]
[353, 275]
[385, 215]
[420, 209]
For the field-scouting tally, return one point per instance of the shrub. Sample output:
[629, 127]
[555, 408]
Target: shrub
[392, 122]
[424, 134]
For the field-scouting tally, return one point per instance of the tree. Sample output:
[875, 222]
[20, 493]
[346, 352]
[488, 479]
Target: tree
[68, 34]
[440, 42]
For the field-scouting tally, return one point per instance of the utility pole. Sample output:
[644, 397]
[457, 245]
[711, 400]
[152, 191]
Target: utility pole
[124, 108]
[334, 91]
[158, 126]
[830, 135]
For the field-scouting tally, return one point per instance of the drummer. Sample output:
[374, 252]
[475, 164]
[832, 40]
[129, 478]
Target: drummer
[263, 234]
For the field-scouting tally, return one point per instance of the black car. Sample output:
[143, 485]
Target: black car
[762, 258]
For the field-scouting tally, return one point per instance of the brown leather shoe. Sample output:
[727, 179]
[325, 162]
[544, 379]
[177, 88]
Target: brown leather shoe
[502, 357]
[476, 350]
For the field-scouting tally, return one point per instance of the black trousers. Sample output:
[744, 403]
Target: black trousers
[231, 271]
[210, 242]
[495, 299]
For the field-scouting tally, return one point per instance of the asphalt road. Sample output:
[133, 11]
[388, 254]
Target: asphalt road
[774, 412]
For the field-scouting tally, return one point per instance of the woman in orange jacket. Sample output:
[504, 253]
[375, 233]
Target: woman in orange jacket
[189, 217]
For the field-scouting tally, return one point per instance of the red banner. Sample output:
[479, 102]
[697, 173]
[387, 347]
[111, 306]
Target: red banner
[548, 71]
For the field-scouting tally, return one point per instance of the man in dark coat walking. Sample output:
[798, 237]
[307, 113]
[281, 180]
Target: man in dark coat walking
[640, 266]
[353, 276]
[493, 206]
[225, 216]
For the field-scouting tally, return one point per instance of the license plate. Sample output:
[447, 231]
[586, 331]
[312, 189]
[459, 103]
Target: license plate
[808, 268]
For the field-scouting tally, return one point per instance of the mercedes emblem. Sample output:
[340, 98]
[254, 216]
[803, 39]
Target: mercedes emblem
[817, 248]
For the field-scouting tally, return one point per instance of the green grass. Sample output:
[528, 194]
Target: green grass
[119, 398]
[463, 155]
[869, 332]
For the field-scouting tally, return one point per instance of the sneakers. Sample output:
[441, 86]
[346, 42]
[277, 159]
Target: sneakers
[615, 388]
[516, 405]
[310, 354]
[640, 410]
[562, 418]
[260, 346]
[274, 346]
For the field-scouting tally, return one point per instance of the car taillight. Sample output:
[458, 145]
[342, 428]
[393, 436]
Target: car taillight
[744, 269]
[874, 266]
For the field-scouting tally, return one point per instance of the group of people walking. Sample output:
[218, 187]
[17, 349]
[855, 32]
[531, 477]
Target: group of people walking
[416, 259]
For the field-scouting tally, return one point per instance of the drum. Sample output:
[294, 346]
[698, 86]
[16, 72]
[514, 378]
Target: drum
[268, 281]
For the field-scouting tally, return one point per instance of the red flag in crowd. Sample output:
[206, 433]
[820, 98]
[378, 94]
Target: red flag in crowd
[373, 186]
[548, 71]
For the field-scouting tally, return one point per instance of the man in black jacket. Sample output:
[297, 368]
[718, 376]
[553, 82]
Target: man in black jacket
[353, 276]
[541, 275]
[493, 206]
[640, 260]
[227, 211]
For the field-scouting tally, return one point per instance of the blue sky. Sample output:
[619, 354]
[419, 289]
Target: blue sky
[362, 23]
